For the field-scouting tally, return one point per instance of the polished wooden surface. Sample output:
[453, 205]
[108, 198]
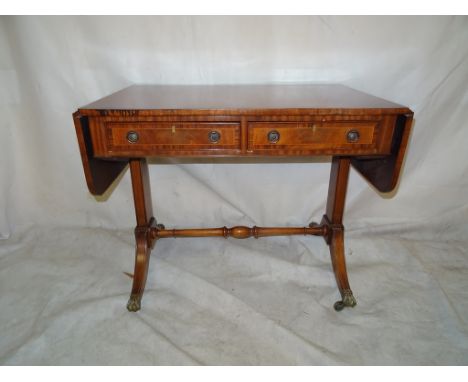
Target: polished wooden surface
[99, 174]
[383, 173]
[178, 120]
[238, 232]
[154, 137]
[247, 136]
[145, 221]
[312, 135]
[333, 219]
[280, 121]
[240, 98]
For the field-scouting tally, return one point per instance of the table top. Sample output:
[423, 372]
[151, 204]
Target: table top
[243, 98]
[177, 120]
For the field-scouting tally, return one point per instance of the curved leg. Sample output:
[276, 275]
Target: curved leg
[142, 255]
[339, 267]
[334, 234]
[143, 238]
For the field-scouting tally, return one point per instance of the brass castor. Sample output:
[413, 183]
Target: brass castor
[348, 300]
[134, 303]
[338, 306]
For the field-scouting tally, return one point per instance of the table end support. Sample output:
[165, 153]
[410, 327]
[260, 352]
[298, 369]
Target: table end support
[144, 244]
[334, 231]
[334, 237]
[144, 241]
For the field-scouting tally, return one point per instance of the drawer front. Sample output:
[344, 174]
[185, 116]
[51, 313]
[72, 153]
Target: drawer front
[326, 137]
[157, 137]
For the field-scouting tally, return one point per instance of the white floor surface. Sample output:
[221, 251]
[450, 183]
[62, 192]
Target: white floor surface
[230, 302]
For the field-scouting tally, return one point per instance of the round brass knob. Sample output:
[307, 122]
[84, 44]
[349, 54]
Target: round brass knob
[132, 136]
[214, 136]
[273, 136]
[352, 136]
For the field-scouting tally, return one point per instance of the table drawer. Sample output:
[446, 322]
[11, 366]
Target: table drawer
[314, 136]
[154, 137]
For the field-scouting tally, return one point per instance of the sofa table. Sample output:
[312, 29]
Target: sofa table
[253, 121]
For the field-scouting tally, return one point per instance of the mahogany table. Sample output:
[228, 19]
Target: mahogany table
[252, 121]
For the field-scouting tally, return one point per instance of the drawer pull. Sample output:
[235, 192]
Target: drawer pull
[132, 136]
[273, 136]
[214, 136]
[352, 136]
